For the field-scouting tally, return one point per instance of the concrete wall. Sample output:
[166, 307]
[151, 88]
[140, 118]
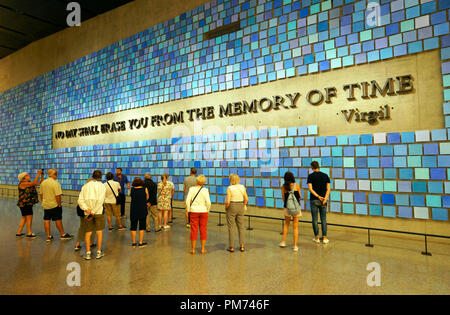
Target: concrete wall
[73, 43]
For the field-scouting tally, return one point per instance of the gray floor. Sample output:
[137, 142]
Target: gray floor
[166, 267]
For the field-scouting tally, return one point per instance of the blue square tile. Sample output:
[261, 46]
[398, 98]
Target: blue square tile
[444, 161]
[408, 137]
[439, 135]
[386, 161]
[417, 200]
[404, 186]
[419, 187]
[431, 149]
[402, 200]
[437, 173]
[375, 210]
[387, 150]
[363, 173]
[361, 209]
[393, 138]
[405, 212]
[389, 211]
[360, 162]
[435, 188]
[439, 214]
[388, 199]
[354, 140]
[375, 199]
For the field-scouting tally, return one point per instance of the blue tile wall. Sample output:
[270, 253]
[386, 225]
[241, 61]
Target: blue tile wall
[403, 177]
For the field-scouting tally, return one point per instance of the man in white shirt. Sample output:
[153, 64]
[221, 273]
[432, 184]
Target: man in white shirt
[111, 206]
[91, 200]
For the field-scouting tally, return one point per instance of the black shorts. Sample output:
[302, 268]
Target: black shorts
[54, 214]
[26, 210]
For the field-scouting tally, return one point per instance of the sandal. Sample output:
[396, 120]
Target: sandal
[230, 249]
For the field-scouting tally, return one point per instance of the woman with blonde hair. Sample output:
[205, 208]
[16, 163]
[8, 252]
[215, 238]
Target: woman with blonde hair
[28, 196]
[235, 206]
[198, 204]
[166, 190]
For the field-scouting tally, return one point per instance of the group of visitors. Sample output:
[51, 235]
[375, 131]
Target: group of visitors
[50, 193]
[152, 203]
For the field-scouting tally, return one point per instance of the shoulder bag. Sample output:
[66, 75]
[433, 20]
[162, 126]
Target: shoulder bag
[117, 198]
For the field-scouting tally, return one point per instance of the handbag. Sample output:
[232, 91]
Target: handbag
[118, 199]
[80, 212]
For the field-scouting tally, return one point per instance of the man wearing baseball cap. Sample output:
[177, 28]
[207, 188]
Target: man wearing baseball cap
[51, 202]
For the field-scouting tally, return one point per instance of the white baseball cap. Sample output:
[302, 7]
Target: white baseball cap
[22, 175]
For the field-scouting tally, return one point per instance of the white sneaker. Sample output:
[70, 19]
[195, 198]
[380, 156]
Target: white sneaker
[326, 241]
[166, 227]
[282, 244]
[87, 256]
[295, 249]
[99, 255]
[316, 240]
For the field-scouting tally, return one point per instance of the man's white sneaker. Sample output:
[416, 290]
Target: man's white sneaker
[87, 256]
[282, 244]
[99, 255]
[326, 241]
[315, 240]
[295, 249]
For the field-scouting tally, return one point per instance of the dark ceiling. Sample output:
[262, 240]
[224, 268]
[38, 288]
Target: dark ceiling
[25, 21]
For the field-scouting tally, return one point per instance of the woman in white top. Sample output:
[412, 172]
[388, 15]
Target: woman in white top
[236, 203]
[198, 204]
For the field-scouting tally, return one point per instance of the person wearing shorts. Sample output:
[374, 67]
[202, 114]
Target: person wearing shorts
[91, 200]
[27, 198]
[111, 206]
[51, 202]
[82, 229]
[289, 186]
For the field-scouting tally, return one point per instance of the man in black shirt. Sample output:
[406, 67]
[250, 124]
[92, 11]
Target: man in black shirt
[319, 188]
[152, 203]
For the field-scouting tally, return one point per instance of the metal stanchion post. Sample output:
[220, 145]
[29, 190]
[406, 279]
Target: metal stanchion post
[426, 253]
[220, 220]
[368, 235]
[249, 227]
